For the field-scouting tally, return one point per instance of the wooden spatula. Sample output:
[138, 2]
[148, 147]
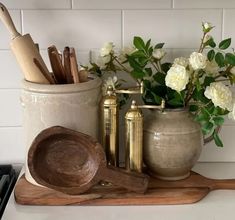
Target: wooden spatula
[74, 66]
[56, 64]
[67, 66]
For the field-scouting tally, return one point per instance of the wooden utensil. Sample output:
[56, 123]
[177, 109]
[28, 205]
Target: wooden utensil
[67, 67]
[74, 66]
[24, 49]
[56, 64]
[195, 180]
[29, 194]
[72, 162]
[160, 192]
[44, 72]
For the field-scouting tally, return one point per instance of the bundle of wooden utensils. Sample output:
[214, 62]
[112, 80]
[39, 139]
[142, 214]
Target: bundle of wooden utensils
[64, 66]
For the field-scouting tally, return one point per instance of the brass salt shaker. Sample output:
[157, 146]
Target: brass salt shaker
[134, 135]
[134, 138]
[109, 124]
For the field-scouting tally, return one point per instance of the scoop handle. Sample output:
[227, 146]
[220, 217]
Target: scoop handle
[7, 21]
[132, 181]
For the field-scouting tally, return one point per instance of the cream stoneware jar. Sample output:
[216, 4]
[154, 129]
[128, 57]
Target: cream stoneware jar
[73, 106]
[172, 143]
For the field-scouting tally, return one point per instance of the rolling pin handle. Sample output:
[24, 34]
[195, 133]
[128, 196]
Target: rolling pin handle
[6, 19]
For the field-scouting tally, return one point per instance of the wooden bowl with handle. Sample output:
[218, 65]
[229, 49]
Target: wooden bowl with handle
[73, 162]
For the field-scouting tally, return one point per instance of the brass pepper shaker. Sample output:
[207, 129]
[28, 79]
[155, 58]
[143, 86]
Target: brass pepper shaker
[134, 138]
[109, 123]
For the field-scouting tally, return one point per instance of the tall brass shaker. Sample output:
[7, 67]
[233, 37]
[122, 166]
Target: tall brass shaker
[109, 126]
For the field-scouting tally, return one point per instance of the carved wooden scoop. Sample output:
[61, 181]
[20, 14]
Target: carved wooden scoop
[72, 162]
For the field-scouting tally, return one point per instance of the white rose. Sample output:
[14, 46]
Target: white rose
[212, 68]
[106, 49]
[197, 61]
[206, 38]
[181, 61]
[177, 78]
[102, 61]
[158, 53]
[220, 95]
[206, 26]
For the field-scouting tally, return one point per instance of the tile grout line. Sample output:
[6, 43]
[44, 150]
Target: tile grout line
[222, 25]
[122, 28]
[21, 21]
[71, 4]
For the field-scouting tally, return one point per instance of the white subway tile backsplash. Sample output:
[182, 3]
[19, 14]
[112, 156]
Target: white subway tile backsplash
[5, 36]
[12, 148]
[229, 31]
[177, 28]
[11, 74]
[121, 4]
[35, 4]
[10, 108]
[211, 152]
[87, 25]
[204, 4]
[81, 29]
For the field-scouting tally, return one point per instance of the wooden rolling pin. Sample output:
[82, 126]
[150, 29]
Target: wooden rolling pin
[25, 50]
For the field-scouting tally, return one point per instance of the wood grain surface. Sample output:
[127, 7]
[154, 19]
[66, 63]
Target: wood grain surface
[160, 192]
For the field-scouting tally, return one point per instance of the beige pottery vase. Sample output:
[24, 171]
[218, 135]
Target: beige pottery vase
[73, 106]
[172, 143]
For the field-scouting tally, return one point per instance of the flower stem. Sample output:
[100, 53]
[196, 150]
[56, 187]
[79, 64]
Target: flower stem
[201, 48]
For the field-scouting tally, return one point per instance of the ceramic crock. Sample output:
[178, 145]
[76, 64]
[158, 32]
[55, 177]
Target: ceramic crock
[172, 143]
[73, 106]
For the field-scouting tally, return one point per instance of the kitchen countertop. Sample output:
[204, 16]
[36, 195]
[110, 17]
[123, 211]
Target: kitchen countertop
[217, 205]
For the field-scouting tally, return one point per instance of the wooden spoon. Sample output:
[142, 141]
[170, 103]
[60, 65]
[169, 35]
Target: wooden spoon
[72, 162]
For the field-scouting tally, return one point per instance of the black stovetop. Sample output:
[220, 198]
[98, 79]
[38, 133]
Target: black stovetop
[7, 182]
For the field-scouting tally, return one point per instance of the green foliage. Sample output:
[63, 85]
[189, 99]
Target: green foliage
[143, 66]
[211, 55]
[224, 44]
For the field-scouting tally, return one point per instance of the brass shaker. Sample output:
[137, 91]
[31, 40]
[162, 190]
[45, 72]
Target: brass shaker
[134, 138]
[109, 124]
[134, 135]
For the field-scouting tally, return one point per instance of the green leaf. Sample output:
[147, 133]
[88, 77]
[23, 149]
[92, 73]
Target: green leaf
[157, 98]
[207, 128]
[202, 118]
[134, 64]
[230, 58]
[211, 55]
[138, 53]
[217, 140]
[160, 78]
[137, 74]
[224, 44]
[218, 120]
[208, 80]
[158, 46]
[211, 43]
[139, 43]
[219, 58]
[175, 102]
[193, 108]
[148, 44]
[166, 67]
[149, 71]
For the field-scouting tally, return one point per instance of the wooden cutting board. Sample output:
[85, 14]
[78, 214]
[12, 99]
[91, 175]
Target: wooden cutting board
[160, 192]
